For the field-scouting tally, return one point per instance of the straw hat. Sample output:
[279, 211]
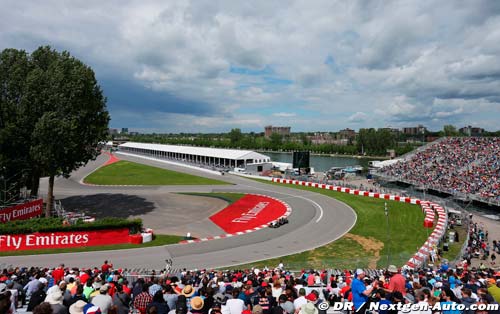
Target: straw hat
[187, 291]
[197, 303]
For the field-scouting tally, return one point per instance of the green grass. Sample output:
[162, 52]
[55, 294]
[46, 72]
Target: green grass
[228, 197]
[160, 239]
[130, 173]
[454, 248]
[406, 234]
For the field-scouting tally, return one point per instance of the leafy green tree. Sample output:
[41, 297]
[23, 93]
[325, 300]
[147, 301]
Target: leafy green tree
[14, 157]
[276, 140]
[235, 136]
[58, 108]
[450, 130]
[74, 113]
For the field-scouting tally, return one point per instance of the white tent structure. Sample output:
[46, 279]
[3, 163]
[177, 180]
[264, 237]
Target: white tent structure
[216, 157]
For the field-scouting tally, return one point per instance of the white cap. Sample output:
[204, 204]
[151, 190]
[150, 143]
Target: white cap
[359, 271]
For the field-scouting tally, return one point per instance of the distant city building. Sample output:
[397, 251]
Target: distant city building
[321, 138]
[124, 131]
[418, 130]
[133, 133]
[393, 131]
[471, 131]
[281, 130]
[347, 134]
[113, 131]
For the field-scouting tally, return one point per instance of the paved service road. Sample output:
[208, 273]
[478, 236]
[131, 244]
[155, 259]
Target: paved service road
[315, 221]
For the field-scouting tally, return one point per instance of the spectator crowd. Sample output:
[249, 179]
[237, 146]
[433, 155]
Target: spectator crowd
[467, 165]
[107, 290]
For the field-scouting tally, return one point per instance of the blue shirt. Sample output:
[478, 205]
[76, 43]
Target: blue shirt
[357, 289]
[451, 311]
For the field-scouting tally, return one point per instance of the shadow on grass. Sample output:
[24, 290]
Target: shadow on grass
[108, 205]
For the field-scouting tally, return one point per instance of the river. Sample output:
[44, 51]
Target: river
[321, 163]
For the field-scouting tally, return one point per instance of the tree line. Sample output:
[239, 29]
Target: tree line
[368, 141]
[52, 117]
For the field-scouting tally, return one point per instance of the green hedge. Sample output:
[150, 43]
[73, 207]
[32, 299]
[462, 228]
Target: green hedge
[56, 224]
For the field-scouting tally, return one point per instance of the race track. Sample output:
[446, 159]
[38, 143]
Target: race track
[315, 221]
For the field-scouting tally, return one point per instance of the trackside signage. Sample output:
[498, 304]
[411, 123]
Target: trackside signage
[59, 240]
[22, 211]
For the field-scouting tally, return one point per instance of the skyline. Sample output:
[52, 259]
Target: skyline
[210, 66]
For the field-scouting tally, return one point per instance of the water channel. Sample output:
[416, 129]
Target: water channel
[320, 163]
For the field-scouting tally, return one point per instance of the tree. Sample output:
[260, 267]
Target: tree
[235, 136]
[450, 130]
[63, 114]
[14, 153]
[276, 140]
[75, 115]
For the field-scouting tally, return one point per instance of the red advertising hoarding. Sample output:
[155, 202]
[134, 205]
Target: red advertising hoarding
[59, 240]
[22, 211]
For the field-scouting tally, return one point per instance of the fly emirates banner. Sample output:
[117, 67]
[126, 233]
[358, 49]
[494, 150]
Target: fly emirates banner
[59, 240]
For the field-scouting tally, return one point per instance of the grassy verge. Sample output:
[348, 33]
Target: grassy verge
[130, 173]
[454, 248]
[228, 197]
[370, 242]
[160, 239]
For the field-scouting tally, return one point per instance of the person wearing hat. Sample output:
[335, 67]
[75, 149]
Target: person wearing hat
[77, 307]
[55, 299]
[360, 293]
[397, 282]
[196, 305]
[188, 291]
[308, 308]
[103, 300]
[494, 289]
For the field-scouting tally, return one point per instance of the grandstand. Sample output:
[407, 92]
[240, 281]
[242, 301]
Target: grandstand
[466, 167]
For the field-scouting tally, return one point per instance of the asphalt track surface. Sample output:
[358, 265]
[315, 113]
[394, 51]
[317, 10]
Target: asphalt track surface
[315, 221]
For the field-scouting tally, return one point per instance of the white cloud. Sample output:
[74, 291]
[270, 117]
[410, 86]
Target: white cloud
[284, 114]
[413, 61]
[358, 117]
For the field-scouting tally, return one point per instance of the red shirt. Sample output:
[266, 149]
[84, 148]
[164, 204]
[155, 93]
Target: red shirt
[127, 290]
[105, 267]
[398, 283]
[84, 277]
[58, 275]
[310, 280]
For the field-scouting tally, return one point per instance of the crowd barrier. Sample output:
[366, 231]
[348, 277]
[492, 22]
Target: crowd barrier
[428, 208]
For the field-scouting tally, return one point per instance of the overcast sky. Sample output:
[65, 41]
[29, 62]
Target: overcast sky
[209, 66]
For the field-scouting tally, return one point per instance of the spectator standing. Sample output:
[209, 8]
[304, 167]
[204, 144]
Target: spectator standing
[103, 299]
[397, 282]
[360, 292]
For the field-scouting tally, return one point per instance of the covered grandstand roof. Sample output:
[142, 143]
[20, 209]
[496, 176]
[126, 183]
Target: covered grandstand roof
[235, 154]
